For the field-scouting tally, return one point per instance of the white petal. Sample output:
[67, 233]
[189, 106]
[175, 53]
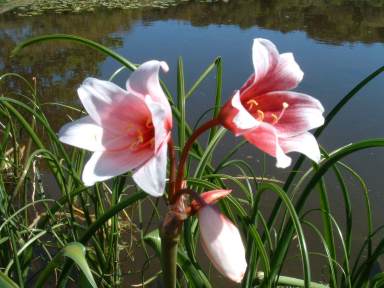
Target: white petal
[288, 73]
[105, 165]
[243, 119]
[264, 56]
[87, 134]
[222, 242]
[151, 176]
[282, 160]
[83, 133]
[304, 143]
[145, 80]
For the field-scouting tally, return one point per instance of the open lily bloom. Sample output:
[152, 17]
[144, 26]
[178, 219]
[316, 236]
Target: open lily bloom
[267, 115]
[127, 130]
[222, 243]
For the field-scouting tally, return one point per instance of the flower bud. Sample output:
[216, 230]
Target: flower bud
[222, 243]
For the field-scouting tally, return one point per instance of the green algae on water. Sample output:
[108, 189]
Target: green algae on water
[38, 7]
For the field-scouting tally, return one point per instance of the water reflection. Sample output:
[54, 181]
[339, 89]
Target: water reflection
[60, 66]
[60, 63]
[335, 21]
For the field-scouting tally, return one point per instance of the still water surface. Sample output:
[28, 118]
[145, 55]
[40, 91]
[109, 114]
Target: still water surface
[336, 45]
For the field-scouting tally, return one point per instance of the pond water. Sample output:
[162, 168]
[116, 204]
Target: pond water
[336, 44]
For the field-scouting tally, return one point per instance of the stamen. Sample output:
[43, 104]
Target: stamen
[139, 139]
[133, 145]
[277, 118]
[150, 142]
[148, 123]
[260, 115]
[252, 103]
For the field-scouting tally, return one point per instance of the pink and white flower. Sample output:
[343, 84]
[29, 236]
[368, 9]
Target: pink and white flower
[222, 243]
[127, 130]
[267, 115]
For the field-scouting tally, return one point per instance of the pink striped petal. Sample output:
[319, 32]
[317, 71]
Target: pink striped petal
[265, 138]
[222, 243]
[304, 143]
[86, 134]
[303, 113]
[94, 94]
[111, 107]
[151, 176]
[265, 57]
[285, 76]
[106, 164]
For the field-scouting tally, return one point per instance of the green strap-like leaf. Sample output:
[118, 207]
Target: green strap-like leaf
[74, 38]
[6, 282]
[76, 251]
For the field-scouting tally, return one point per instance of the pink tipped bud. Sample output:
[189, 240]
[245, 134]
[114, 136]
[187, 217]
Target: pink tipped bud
[208, 198]
[222, 243]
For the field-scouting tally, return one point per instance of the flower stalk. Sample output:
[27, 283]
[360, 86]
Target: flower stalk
[172, 223]
[172, 166]
[187, 148]
[170, 235]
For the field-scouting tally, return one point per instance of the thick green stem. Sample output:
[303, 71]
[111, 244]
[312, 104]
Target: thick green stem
[169, 259]
[170, 235]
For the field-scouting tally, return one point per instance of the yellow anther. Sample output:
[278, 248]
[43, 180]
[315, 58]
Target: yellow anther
[138, 140]
[260, 115]
[275, 118]
[140, 137]
[252, 103]
[285, 105]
